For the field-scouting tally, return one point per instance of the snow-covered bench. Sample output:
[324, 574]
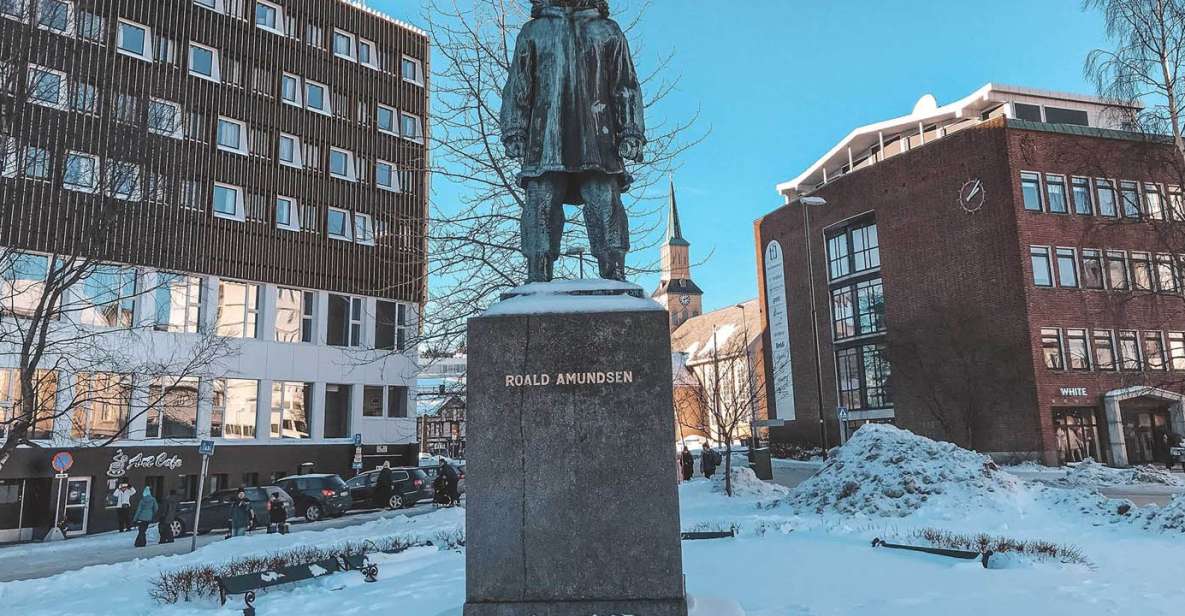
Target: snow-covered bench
[247, 584]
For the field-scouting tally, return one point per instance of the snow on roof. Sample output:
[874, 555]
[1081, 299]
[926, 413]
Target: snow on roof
[573, 296]
[695, 339]
[362, 6]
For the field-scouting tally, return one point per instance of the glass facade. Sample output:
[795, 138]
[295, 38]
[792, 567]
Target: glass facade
[172, 408]
[234, 413]
[290, 410]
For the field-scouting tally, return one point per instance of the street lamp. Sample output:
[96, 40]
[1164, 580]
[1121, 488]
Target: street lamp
[807, 204]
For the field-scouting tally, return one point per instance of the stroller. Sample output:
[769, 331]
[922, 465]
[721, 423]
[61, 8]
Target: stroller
[443, 496]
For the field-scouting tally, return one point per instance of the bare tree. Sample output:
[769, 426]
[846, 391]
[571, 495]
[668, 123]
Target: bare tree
[475, 242]
[69, 340]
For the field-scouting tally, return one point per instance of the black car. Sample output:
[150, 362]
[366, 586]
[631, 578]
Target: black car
[216, 509]
[318, 496]
[408, 487]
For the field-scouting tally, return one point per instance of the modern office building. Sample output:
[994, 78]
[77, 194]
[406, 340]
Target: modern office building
[268, 162]
[999, 272]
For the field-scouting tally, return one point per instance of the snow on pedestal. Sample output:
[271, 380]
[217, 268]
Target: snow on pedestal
[573, 296]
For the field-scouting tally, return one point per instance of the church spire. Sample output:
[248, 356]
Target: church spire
[674, 229]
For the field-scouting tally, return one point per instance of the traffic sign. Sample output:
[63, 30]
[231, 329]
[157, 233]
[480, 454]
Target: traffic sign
[842, 413]
[357, 439]
[206, 448]
[62, 461]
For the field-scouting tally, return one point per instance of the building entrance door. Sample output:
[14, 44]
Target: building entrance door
[1146, 433]
[78, 500]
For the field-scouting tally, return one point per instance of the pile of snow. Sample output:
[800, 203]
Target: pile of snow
[1091, 473]
[745, 484]
[884, 471]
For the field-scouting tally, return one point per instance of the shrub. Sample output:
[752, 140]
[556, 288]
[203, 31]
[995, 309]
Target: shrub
[1036, 549]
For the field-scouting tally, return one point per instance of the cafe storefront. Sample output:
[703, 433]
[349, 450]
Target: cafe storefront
[33, 495]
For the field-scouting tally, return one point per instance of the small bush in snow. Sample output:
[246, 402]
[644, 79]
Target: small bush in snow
[1033, 550]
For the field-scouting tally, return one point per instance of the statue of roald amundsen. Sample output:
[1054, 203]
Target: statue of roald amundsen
[572, 110]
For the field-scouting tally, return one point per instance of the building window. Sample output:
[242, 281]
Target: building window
[372, 401]
[341, 164]
[1154, 354]
[1083, 204]
[344, 321]
[1104, 350]
[1030, 187]
[81, 172]
[1166, 279]
[397, 401]
[1141, 264]
[287, 214]
[363, 229]
[103, 401]
[1129, 193]
[164, 118]
[124, 180]
[837, 256]
[14, 9]
[314, 36]
[24, 279]
[268, 16]
[178, 300]
[290, 404]
[1153, 201]
[876, 376]
[316, 97]
[385, 119]
[1176, 204]
[1042, 274]
[393, 328]
[411, 128]
[343, 45]
[865, 249]
[234, 411]
[203, 62]
[173, 408]
[1108, 203]
[1078, 349]
[290, 153]
[228, 202]
[842, 314]
[36, 163]
[166, 50]
[1117, 271]
[195, 129]
[367, 55]
[238, 310]
[1129, 350]
[1051, 349]
[385, 176]
[85, 99]
[1055, 187]
[47, 87]
[290, 90]
[107, 297]
[337, 410]
[413, 70]
[338, 224]
[848, 371]
[91, 27]
[294, 315]
[134, 40]
[1177, 350]
[1067, 271]
[1092, 269]
[126, 109]
[232, 136]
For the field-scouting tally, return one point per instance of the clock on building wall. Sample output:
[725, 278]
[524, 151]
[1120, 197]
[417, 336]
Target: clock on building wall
[685, 300]
[972, 196]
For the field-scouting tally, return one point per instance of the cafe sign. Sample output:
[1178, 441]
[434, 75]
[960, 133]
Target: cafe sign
[121, 463]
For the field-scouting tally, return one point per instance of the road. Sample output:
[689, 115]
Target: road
[38, 560]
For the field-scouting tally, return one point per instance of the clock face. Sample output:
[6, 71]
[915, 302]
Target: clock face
[972, 195]
[685, 300]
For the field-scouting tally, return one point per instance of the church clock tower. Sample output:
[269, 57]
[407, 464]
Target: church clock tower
[681, 297]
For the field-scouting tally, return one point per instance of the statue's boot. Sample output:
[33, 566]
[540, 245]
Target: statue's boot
[612, 266]
[540, 268]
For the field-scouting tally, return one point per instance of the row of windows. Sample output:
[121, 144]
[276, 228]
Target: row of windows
[1116, 270]
[1106, 350]
[852, 250]
[107, 298]
[1051, 192]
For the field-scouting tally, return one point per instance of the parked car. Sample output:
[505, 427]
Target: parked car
[432, 471]
[317, 496]
[408, 487]
[216, 509]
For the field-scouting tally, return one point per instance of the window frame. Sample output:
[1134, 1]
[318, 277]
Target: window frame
[293, 213]
[297, 161]
[178, 129]
[373, 62]
[365, 234]
[1051, 338]
[395, 119]
[71, 10]
[279, 14]
[299, 93]
[251, 321]
[351, 174]
[1096, 256]
[63, 89]
[1077, 182]
[396, 185]
[215, 62]
[419, 80]
[1060, 253]
[1035, 251]
[149, 48]
[1111, 187]
[1109, 336]
[352, 56]
[240, 214]
[326, 97]
[1058, 179]
[1125, 187]
[96, 170]
[1121, 357]
[1025, 178]
[1087, 358]
[137, 194]
[348, 225]
[1113, 255]
[242, 149]
[419, 138]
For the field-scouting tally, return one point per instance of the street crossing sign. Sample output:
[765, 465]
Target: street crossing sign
[206, 448]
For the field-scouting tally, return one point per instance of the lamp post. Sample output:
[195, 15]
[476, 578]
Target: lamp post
[578, 252]
[807, 204]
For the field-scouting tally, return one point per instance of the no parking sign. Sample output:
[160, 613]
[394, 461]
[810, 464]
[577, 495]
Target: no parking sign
[62, 461]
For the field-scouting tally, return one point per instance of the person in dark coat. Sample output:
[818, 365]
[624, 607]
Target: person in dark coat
[707, 461]
[168, 511]
[453, 480]
[381, 497]
[241, 515]
[277, 515]
[1171, 440]
[144, 516]
[687, 461]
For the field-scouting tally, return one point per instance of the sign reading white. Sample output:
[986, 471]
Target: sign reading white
[1074, 392]
[776, 309]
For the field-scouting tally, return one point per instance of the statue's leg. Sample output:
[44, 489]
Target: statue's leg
[540, 232]
[607, 222]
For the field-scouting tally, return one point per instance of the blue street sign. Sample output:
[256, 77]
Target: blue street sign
[62, 461]
[842, 412]
[206, 448]
[357, 439]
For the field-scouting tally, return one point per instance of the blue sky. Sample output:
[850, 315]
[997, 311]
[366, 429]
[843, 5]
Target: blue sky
[781, 81]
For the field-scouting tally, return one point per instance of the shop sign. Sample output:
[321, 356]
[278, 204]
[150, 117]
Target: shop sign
[121, 463]
[1073, 392]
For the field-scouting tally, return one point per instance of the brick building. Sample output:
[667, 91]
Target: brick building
[267, 158]
[1003, 272]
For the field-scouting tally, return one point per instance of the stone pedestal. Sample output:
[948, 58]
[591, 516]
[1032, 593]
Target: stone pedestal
[572, 504]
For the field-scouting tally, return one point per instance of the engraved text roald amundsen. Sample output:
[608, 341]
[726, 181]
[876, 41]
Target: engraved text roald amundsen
[544, 379]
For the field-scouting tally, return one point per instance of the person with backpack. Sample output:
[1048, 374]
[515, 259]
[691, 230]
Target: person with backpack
[145, 516]
[277, 516]
[708, 460]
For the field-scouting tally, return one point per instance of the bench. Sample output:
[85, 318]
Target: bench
[247, 584]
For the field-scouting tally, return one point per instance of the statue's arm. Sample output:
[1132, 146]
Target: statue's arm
[516, 97]
[631, 107]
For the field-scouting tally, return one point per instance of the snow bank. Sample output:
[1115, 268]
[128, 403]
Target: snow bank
[745, 484]
[884, 471]
[1091, 473]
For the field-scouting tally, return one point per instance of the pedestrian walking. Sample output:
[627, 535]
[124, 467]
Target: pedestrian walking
[123, 506]
[708, 461]
[381, 497]
[145, 516]
[452, 481]
[688, 464]
[277, 516]
[241, 515]
[168, 511]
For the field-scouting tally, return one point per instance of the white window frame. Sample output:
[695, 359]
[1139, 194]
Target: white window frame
[96, 169]
[326, 97]
[293, 216]
[349, 226]
[396, 118]
[217, 8]
[351, 165]
[419, 127]
[299, 102]
[22, 12]
[419, 80]
[70, 11]
[178, 131]
[297, 151]
[365, 234]
[215, 64]
[137, 194]
[279, 27]
[146, 55]
[353, 55]
[374, 53]
[63, 87]
[242, 147]
[395, 183]
[240, 213]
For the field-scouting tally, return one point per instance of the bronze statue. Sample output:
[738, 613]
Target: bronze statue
[572, 110]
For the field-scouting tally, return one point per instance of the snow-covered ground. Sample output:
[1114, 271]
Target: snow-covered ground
[800, 551]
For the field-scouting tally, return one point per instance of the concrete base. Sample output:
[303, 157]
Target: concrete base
[572, 503]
